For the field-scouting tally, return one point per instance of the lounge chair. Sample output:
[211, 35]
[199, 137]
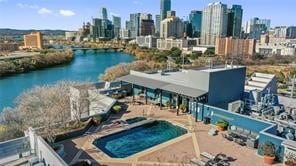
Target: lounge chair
[207, 155]
[198, 162]
[240, 141]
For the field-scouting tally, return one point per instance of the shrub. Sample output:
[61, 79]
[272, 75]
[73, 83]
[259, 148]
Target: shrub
[268, 149]
[116, 109]
[222, 124]
[182, 107]
[290, 159]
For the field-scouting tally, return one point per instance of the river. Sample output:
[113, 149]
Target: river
[85, 67]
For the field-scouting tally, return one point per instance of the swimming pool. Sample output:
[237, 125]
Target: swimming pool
[135, 140]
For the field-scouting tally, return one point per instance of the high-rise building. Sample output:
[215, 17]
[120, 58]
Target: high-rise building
[172, 27]
[214, 23]
[235, 48]
[124, 34]
[117, 26]
[188, 31]
[134, 24]
[102, 27]
[165, 6]
[195, 18]
[140, 24]
[291, 32]
[235, 18]
[157, 25]
[103, 13]
[280, 32]
[255, 27]
[147, 27]
[33, 40]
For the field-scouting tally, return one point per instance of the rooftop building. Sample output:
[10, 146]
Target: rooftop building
[194, 85]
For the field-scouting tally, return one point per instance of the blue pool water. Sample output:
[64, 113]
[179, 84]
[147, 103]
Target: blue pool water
[129, 142]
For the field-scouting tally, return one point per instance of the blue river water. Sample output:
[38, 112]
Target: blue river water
[85, 67]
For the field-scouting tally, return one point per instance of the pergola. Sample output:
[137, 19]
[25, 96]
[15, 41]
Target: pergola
[187, 93]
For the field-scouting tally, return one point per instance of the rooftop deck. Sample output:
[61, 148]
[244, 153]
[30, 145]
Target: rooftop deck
[174, 152]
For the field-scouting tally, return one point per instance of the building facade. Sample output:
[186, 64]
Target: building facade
[214, 23]
[117, 26]
[235, 48]
[165, 6]
[275, 49]
[33, 40]
[103, 13]
[235, 18]
[147, 26]
[195, 18]
[147, 41]
[291, 32]
[168, 44]
[255, 27]
[171, 27]
[124, 34]
[157, 25]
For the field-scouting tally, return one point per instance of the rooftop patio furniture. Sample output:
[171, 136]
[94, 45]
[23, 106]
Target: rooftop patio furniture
[207, 155]
[227, 136]
[240, 141]
[198, 162]
[252, 143]
[212, 132]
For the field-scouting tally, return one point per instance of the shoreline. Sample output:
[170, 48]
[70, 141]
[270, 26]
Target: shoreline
[34, 63]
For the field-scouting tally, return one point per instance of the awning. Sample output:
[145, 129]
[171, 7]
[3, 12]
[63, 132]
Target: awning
[187, 91]
[142, 81]
[155, 84]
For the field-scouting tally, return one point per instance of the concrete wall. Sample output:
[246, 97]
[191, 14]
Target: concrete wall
[47, 154]
[226, 86]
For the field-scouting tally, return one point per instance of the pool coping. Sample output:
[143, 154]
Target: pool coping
[146, 151]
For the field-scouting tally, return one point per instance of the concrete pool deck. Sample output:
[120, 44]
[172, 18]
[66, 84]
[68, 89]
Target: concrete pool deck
[178, 151]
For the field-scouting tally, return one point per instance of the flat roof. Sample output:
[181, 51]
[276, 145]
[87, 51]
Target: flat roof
[156, 84]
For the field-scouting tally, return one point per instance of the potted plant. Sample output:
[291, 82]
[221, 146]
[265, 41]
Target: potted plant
[169, 104]
[116, 109]
[268, 152]
[290, 159]
[221, 125]
[183, 108]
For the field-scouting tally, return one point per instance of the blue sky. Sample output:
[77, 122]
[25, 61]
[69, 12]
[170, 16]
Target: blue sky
[70, 14]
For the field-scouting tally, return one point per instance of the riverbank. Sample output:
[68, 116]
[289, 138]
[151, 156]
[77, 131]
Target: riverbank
[44, 59]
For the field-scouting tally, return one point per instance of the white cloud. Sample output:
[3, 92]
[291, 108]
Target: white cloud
[66, 13]
[44, 11]
[29, 6]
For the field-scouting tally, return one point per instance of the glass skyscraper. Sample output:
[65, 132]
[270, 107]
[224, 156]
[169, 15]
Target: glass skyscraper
[165, 6]
[157, 24]
[195, 18]
[103, 13]
[117, 25]
[235, 18]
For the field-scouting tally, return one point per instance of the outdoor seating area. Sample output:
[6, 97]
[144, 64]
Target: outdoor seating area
[208, 159]
[242, 137]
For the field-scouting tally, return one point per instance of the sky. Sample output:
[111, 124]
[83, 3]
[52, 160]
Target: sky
[70, 14]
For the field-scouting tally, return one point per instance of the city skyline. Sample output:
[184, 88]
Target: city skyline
[67, 15]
